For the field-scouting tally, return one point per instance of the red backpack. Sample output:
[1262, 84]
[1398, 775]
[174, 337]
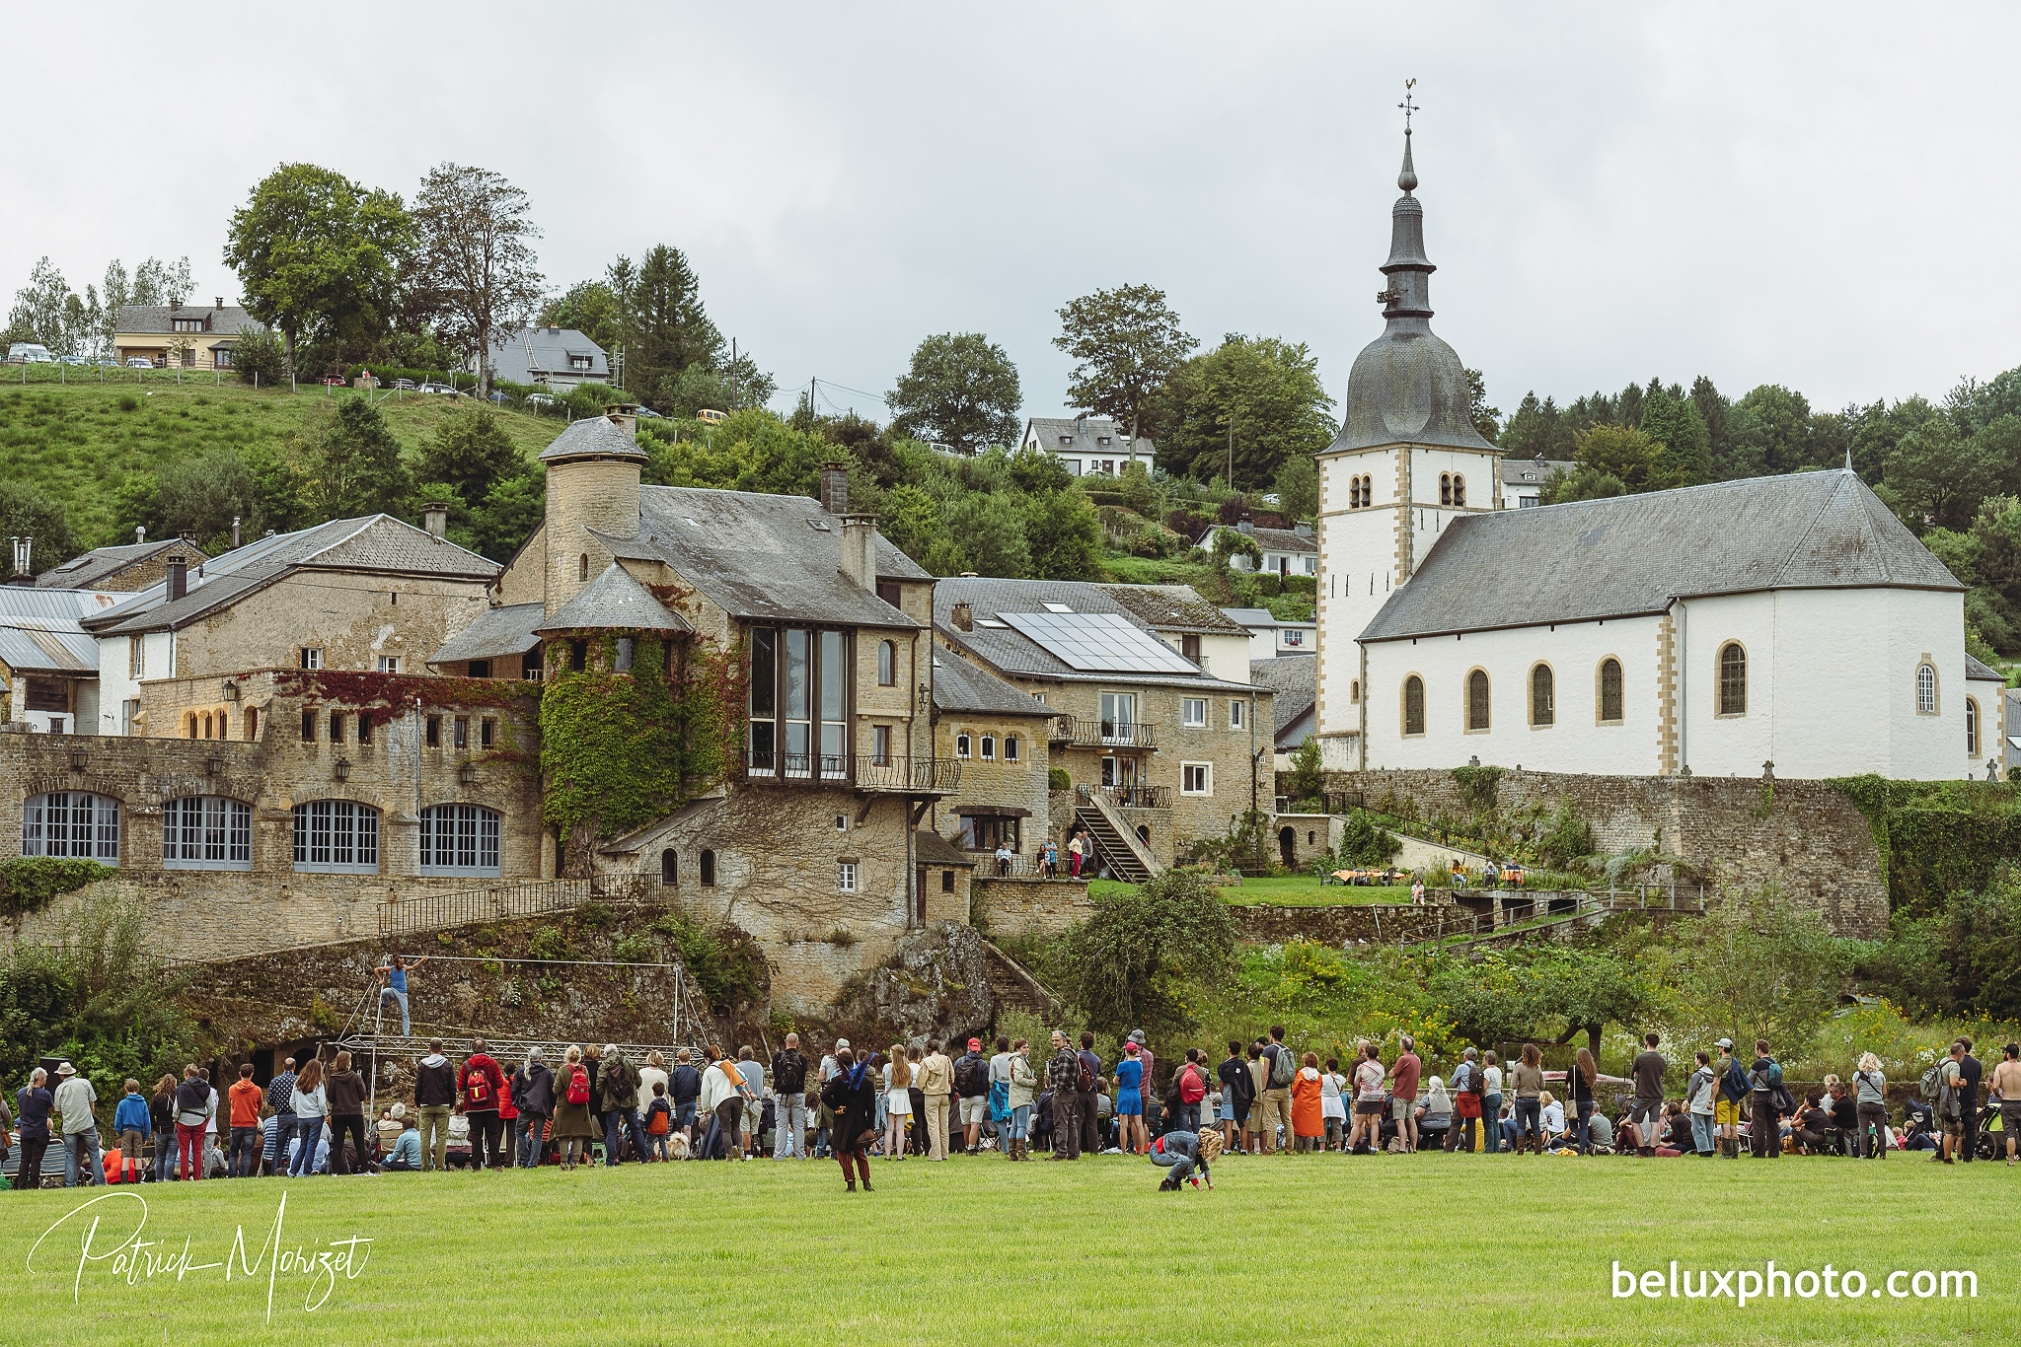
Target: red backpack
[578, 1085]
[1191, 1088]
[477, 1091]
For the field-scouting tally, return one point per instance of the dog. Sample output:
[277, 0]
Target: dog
[677, 1147]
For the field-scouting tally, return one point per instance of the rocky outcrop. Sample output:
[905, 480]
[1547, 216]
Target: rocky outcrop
[935, 984]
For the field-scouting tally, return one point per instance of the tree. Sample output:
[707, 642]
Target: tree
[1306, 780]
[1755, 967]
[352, 465]
[470, 451]
[1298, 487]
[1537, 430]
[316, 254]
[1487, 420]
[1063, 533]
[961, 390]
[1936, 478]
[26, 512]
[591, 308]
[1127, 962]
[511, 511]
[1673, 421]
[985, 534]
[666, 330]
[1612, 461]
[474, 269]
[38, 306]
[1771, 429]
[202, 497]
[156, 282]
[1257, 400]
[1126, 342]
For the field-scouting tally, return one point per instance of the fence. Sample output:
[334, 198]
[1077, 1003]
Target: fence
[513, 898]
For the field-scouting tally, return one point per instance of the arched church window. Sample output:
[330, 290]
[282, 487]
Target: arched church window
[1477, 700]
[1732, 680]
[1971, 727]
[1459, 489]
[1354, 493]
[582, 567]
[1543, 696]
[1610, 691]
[1926, 690]
[1445, 488]
[1413, 705]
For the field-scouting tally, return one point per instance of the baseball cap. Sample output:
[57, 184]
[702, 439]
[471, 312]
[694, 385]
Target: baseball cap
[841, 1042]
[975, 1045]
[1723, 1043]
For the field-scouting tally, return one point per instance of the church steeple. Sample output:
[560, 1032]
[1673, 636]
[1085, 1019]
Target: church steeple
[1408, 269]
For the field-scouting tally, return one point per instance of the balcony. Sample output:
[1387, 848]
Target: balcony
[1138, 797]
[896, 775]
[1080, 732]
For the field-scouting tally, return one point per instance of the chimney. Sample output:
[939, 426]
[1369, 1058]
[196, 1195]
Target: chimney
[963, 616]
[435, 518]
[235, 530]
[1302, 529]
[221, 302]
[1247, 526]
[625, 416]
[178, 577]
[139, 534]
[835, 488]
[23, 574]
[859, 549]
[174, 304]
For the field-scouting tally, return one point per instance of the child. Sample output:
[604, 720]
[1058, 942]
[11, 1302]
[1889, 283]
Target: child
[659, 1121]
[1179, 1153]
[131, 1121]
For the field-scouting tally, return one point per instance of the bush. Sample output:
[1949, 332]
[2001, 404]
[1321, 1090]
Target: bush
[1125, 965]
[31, 883]
[260, 357]
[1057, 779]
[1364, 844]
[1565, 838]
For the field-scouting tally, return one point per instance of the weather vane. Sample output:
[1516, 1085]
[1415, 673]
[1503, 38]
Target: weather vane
[1407, 105]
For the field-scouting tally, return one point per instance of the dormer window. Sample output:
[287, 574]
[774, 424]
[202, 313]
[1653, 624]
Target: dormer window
[1066, 439]
[581, 362]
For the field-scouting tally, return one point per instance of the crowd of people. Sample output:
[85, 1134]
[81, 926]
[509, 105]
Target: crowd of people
[596, 1105]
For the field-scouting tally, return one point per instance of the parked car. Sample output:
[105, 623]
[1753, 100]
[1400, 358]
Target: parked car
[433, 387]
[29, 353]
[539, 399]
[404, 385]
[77, 360]
[139, 362]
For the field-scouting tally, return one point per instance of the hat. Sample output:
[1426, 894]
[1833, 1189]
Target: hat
[975, 1045]
[1136, 1035]
[1468, 1054]
[841, 1043]
[66, 1069]
[1724, 1043]
[399, 1110]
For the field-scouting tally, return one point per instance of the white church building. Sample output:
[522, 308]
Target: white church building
[1709, 630]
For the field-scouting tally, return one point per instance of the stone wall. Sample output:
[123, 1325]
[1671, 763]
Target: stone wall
[1801, 837]
[1031, 906]
[1382, 924]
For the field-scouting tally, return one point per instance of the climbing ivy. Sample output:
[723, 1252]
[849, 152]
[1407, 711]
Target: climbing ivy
[620, 748]
[1936, 837]
[31, 883]
[1480, 787]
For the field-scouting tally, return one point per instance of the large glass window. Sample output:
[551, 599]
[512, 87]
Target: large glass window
[459, 839]
[206, 832]
[801, 693]
[834, 700]
[764, 704]
[1119, 717]
[337, 836]
[71, 823]
[799, 700]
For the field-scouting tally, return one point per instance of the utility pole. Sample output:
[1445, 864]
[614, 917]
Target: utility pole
[1231, 453]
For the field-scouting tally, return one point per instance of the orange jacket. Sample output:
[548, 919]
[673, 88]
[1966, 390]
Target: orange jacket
[245, 1098]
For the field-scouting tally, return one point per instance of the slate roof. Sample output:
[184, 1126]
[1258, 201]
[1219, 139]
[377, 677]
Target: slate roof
[158, 319]
[1261, 617]
[961, 686]
[85, 572]
[1266, 539]
[1010, 652]
[1174, 608]
[933, 849]
[614, 601]
[41, 630]
[1978, 671]
[523, 357]
[1294, 684]
[592, 437]
[497, 633]
[762, 557]
[1634, 555]
[1084, 436]
[1532, 471]
[370, 543]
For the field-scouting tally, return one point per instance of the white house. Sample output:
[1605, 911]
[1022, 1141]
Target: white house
[1271, 636]
[1523, 480]
[1291, 551]
[1709, 630]
[1089, 446]
[552, 357]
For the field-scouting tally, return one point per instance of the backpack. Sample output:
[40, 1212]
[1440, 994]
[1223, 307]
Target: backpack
[1282, 1068]
[1085, 1082]
[476, 1091]
[1191, 1088]
[577, 1092]
[971, 1077]
[656, 1122]
[1933, 1081]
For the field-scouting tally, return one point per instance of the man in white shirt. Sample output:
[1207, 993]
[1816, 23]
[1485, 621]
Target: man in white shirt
[76, 1101]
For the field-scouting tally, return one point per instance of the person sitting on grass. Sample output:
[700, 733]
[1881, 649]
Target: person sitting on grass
[1551, 1116]
[1434, 1115]
[1600, 1133]
[1178, 1153]
[406, 1154]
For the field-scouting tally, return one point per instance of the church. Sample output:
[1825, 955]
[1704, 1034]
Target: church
[1785, 624]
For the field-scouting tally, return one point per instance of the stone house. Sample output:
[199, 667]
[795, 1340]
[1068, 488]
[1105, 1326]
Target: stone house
[365, 595]
[1178, 754]
[137, 565]
[1000, 737]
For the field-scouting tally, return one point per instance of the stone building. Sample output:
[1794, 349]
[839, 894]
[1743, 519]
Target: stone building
[136, 565]
[1000, 737]
[1141, 730]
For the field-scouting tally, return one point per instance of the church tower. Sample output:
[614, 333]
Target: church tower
[1406, 463]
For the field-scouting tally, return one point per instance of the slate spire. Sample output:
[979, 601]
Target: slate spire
[1408, 269]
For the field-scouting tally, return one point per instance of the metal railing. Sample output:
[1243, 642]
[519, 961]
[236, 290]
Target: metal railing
[913, 776]
[1083, 732]
[1139, 797]
[506, 899]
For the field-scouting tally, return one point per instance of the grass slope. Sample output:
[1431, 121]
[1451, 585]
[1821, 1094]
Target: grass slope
[78, 442]
[1433, 1248]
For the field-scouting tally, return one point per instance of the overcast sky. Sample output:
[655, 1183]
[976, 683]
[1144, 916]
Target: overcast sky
[1821, 196]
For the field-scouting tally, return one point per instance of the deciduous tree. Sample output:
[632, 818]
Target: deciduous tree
[1255, 400]
[1125, 343]
[474, 270]
[961, 390]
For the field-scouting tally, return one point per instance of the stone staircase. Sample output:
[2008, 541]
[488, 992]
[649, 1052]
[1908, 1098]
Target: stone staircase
[1015, 988]
[1117, 845]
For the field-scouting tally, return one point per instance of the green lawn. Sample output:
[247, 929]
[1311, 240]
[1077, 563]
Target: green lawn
[1285, 890]
[79, 442]
[1432, 1248]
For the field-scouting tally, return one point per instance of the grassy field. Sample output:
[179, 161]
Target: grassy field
[1285, 890]
[79, 442]
[1432, 1248]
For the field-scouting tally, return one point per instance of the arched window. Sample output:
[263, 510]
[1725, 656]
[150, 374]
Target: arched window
[1477, 700]
[337, 837]
[1354, 493]
[887, 663]
[1367, 492]
[1732, 680]
[582, 567]
[708, 864]
[1413, 705]
[224, 723]
[207, 727]
[989, 748]
[1543, 696]
[1354, 690]
[206, 832]
[1459, 489]
[961, 749]
[1926, 690]
[1445, 488]
[1010, 748]
[459, 839]
[193, 725]
[71, 823]
[670, 867]
[252, 723]
[1610, 691]
[1972, 726]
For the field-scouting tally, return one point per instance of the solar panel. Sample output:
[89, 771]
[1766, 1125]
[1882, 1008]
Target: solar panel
[1099, 643]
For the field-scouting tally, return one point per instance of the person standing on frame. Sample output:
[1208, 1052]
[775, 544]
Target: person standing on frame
[392, 976]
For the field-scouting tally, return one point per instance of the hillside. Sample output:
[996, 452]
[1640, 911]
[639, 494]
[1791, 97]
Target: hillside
[77, 443]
